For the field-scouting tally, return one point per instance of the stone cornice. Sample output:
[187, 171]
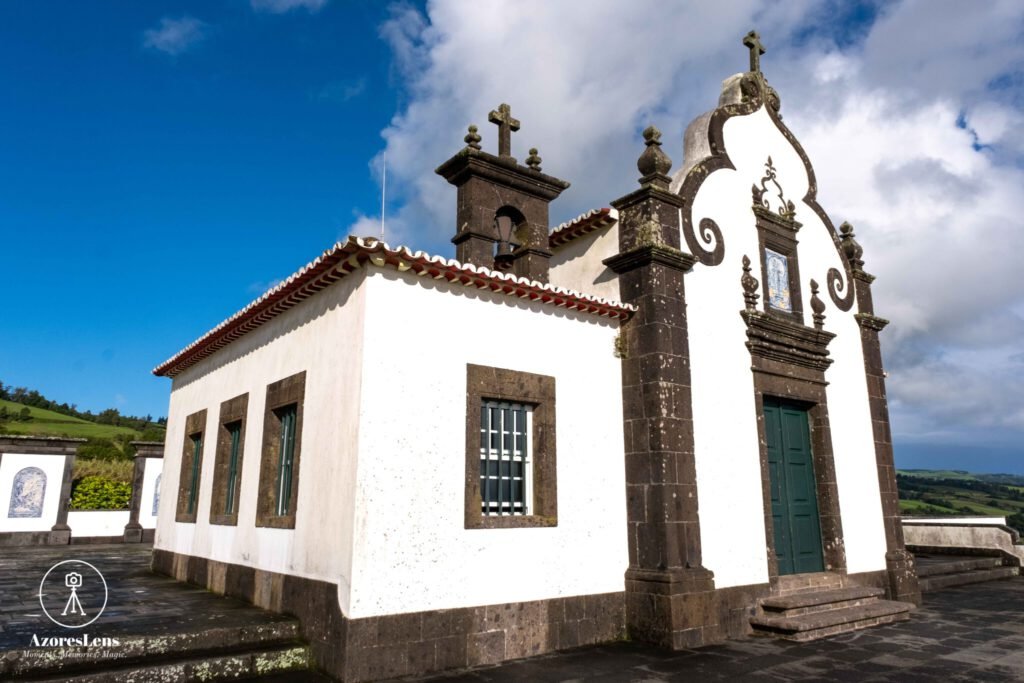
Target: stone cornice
[871, 322]
[647, 254]
[472, 163]
[771, 337]
[863, 276]
[647, 192]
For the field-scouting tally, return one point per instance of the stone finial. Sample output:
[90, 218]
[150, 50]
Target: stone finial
[817, 307]
[502, 117]
[851, 248]
[472, 138]
[533, 161]
[654, 164]
[750, 285]
[753, 42]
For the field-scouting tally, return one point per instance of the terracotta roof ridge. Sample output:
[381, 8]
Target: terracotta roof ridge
[354, 252]
[583, 224]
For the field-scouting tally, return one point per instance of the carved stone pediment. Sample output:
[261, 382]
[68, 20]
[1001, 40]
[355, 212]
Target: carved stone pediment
[783, 340]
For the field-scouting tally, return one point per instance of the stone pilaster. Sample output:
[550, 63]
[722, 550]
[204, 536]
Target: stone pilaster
[902, 576]
[60, 533]
[144, 450]
[670, 596]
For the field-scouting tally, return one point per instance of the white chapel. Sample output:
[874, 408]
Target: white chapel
[681, 434]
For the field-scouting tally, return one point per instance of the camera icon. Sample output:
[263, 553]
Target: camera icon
[73, 580]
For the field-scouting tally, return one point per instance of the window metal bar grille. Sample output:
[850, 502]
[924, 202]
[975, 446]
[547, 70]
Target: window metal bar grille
[284, 472]
[193, 492]
[235, 430]
[504, 458]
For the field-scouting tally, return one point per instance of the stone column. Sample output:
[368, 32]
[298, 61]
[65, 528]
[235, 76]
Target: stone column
[670, 596]
[902, 577]
[144, 450]
[60, 533]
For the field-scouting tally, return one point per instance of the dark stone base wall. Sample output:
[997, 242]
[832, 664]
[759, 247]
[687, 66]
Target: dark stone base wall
[16, 538]
[21, 538]
[374, 648]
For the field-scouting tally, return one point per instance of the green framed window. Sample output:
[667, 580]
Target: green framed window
[231, 495]
[281, 456]
[286, 461]
[191, 472]
[193, 485]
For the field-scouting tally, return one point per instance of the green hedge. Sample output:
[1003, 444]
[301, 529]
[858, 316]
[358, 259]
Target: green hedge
[100, 493]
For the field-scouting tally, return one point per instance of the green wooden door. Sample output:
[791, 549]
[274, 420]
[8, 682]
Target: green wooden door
[794, 500]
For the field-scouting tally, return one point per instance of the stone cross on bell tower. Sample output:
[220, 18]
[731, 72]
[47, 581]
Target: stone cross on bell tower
[753, 42]
[507, 125]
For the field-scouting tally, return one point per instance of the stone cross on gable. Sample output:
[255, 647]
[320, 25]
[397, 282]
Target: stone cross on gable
[753, 43]
[506, 125]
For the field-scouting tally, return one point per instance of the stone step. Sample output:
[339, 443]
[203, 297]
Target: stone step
[217, 667]
[932, 583]
[957, 566]
[807, 583]
[797, 604]
[131, 649]
[823, 624]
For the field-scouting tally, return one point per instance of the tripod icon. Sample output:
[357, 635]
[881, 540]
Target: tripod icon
[73, 580]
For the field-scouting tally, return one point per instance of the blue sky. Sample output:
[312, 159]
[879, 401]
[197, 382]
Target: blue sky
[161, 164]
[146, 195]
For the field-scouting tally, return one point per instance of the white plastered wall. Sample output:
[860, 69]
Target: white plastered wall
[53, 467]
[152, 468]
[322, 336]
[578, 264]
[725, 428]
[412, 550]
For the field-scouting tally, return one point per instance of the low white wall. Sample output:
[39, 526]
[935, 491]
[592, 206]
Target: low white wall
[977, 521]
[52, 467]
[97, 522]
[958, 533]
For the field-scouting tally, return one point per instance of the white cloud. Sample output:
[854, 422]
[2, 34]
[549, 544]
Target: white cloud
[893, 125]
[175, 36]
[282, 6]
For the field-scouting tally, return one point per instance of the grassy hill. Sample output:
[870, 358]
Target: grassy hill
[49, 423]
[955, 492]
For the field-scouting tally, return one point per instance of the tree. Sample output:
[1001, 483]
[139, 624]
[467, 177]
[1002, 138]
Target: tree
[4, 414]
[25, 414]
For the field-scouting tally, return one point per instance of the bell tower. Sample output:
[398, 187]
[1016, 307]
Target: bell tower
[502, 215]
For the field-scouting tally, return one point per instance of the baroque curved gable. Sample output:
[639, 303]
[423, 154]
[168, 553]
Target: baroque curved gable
[747, 96]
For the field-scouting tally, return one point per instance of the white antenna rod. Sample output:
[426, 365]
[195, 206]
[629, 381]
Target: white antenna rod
[383, 194]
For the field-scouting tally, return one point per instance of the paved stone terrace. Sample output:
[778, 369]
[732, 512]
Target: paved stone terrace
[139, 601]
[971, 633]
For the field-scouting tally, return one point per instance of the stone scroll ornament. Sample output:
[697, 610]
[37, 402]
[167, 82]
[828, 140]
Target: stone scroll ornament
[27, 493]
[840, 289]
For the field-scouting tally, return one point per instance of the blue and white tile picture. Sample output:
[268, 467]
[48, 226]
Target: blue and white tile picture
[778, 280]
[27, 493]
[156, 494]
